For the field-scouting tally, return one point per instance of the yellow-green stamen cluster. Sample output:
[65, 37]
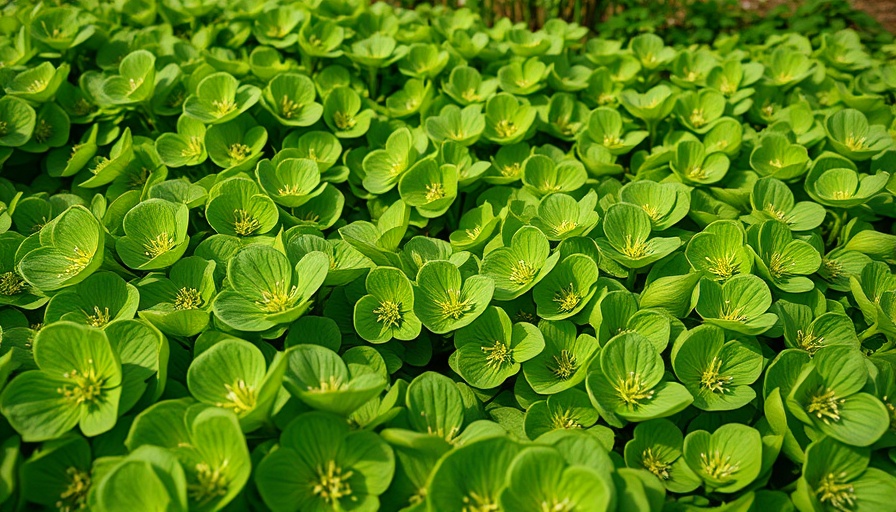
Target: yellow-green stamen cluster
[711, 378]
[632, 390]
[333, 383]
[723, 267]
[344, 121]
[86, 387]
[522, 272]
[697, 118]
[187, 298]
[434, 192]
[855, 143]
[288, 107]
[193, 149]
[564, 365]
[43, 131]
[240, 397]
[77, 263]
[718, 466]
[634, 248]
[244, 223]
[564, 227]
[612, 141]
[277, 300]
[474, 502]
[162, 243]
[74, 497]
[332, 484]
[567, 299]
[498, 355]
[505, 128]
[211, 483]
[779, 265]
[453, 307]
[389, 313]
[825, 405]
[732, 313]
[99, 318]
[808, 341]
[224, 107]
[564, 420]
[836, 494]
[237, 152]
[653, 463]
[11, 284]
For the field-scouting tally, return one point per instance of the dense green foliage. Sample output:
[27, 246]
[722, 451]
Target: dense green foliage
[311, 256]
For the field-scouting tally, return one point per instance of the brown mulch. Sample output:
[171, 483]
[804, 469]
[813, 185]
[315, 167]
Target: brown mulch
[882, 10]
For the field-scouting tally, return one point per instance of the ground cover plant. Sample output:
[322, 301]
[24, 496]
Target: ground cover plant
[312, 256]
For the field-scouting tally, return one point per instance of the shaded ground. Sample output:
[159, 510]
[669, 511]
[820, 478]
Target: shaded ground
[882, 10]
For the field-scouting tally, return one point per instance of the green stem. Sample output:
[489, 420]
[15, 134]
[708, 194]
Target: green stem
[867, 333]
[372, 82]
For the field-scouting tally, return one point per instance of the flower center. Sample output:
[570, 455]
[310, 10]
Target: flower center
[652, 211]
[99, 318]
[825, 405]
[332, 484]
[210, 483]
[238, 152]
[470, 95]
[833, 267]
[634, 248]
[808, 341]
[454, 307]
[653, 463]
[74, 497]
[718, 466]
[567, 299]
[193, 149]
[43, 131]
[224, 107]
[159, 245]
[288, 107]
[613, 141]
[840, 496]
[77, 263]
[187, 298]
[564, 420]
[697, 118]
[711, 379]
[333, 383]
[37, 86]
[277, 300]
[472, 234]
[101, 163]
[564, 365]
[434, 192]
[505, 128]
[856, 143]
[522, 272]
[344, 121]
[775, 212]
[722, 267]
[632, 390]
[84, 388]
[289, 190]
[4, 128]
[696, 172]
[240, 397]
[498, 355]
[244, 223]
[11, 284]
[841, 194]
[389, 313]
[564, 227]
[778, 264]
[474, 502]
[733, 313]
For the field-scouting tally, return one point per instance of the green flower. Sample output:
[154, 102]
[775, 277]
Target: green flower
[387, 311]
[77, 383]
[727, 460]
[739, 304]
[657, 446]
[445, 301]
[219, 98]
